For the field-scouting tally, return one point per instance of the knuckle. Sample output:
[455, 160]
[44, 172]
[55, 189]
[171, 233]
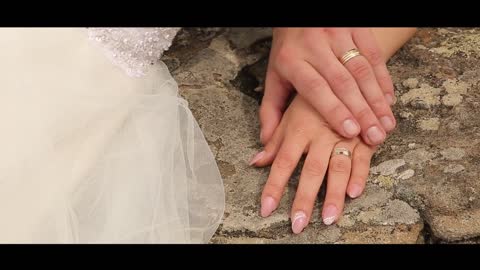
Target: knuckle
[340, 165]
[299, 130]
[386, 82]
[264, 109]
[312, 83]
[360, 69]
[358, 179]
[315, 167]
[374, 55]
[273, 189]
[284, 55]
[284, 162]
[301, 127]
[335, 109]
[365, 115]
[379, 104]
[311, 40]
[272, 144]
[342, 80]
[362, 160]
[334, 32]
[304, 200]
[335, 196]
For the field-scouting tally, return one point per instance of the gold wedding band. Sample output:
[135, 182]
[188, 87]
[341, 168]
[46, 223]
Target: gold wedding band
[349, 55]
[342, 151]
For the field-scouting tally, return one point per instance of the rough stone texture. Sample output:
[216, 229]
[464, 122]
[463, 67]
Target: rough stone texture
[424, 180]
[429, 124]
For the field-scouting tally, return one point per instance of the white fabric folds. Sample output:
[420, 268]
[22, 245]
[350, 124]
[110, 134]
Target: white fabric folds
[89, 154]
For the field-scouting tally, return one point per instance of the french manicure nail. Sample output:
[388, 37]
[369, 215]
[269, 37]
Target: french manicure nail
[355, 191]
[268, 205]
[329, 214]
[299, 222]
[257, 157]
[350, 127]
[375, 135]
[387, 123]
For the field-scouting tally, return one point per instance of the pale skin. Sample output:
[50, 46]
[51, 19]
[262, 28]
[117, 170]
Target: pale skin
[303, 130]
[353, 98]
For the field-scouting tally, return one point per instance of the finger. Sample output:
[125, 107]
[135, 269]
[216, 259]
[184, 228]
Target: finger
[368, 46]
[338, 175]
[362, 155]
[311, 179]
[364, 76]
[282, 168]
[346, 89]
[273, 104]
[313, 87]
[266, 157]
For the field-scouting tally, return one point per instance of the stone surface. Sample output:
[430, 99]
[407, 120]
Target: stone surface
[387, 167]
[429, 123]
[453, 168]
[410, 83]
[453, 153]
[425, 178]
[406, 174]
[424, 97]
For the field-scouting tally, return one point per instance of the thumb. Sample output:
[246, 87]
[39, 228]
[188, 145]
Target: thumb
[274, 101]
[268, 154]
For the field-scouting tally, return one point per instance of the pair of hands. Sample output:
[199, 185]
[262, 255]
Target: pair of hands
[337, 106]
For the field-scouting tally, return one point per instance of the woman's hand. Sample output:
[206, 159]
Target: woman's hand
[352, 98]
[303, 130]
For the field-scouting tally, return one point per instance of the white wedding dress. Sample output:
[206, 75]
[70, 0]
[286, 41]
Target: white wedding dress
[96, 144]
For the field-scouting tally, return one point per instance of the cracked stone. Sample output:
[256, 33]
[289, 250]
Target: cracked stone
[205, 68]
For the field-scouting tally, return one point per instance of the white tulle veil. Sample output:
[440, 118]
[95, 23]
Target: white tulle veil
[91, 155]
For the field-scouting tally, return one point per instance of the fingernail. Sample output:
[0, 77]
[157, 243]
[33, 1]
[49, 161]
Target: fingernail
[391, 99]
[350, 128]
[267, 206]
[355, 191]
[299, 222]
[329, 214]
[375, 135]
[257, 157]
[387, 123]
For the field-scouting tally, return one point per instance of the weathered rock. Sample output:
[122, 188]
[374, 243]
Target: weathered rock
[428, 168]
[429, 123]
[453, 153]
[410, 83]
[418, 157]
[453, 168]
[445, 185]
[388, 167]
[423, 97]
[406, 174]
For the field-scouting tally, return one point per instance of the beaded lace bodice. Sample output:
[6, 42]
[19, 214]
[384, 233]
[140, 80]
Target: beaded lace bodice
[133, 49]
